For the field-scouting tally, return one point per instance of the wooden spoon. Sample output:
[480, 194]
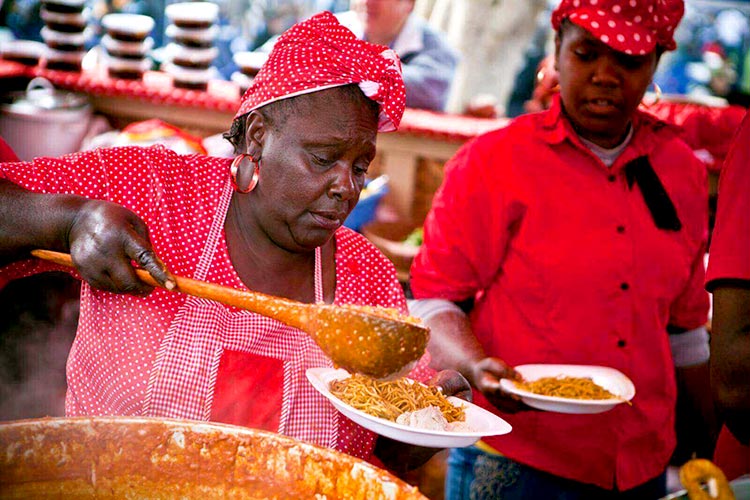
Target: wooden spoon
[374, 341]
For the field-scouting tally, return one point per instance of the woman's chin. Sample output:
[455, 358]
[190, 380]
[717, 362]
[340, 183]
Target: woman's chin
[314, 238]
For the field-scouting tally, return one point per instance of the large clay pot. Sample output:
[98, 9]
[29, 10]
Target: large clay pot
[125, 457]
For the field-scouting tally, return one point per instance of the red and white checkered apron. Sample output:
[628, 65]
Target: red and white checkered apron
[183, 378]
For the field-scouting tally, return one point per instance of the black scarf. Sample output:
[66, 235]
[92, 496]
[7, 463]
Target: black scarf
[640, 171]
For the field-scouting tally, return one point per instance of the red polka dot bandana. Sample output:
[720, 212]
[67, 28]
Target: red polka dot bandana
[320, 53]
[634, 27]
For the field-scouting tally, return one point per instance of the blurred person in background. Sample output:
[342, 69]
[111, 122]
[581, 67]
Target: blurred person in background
[728, 278]
[428, 60]
[575, 235]
[493, 37]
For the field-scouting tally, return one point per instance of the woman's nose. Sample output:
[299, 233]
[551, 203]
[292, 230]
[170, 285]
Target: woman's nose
[606, 72]
[343, 186]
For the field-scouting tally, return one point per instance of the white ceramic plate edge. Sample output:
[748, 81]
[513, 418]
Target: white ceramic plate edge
[610, 378]
[321, 377]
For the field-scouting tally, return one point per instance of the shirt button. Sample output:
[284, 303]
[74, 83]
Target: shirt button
[624, 286]
[611, 178]
[620, 229]
[621, 343]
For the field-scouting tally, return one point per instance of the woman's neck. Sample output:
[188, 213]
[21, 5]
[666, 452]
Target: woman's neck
[261, 264]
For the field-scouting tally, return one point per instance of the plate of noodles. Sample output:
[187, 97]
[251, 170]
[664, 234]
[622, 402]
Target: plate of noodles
[571, 388]
[405, 410]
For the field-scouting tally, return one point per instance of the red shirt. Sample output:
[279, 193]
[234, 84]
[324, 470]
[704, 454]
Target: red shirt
[170, 355]
[730, 258]
[566, 265]
[730, 240]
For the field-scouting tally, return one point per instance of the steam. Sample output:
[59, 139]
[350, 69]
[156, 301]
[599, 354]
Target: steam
[38, 319]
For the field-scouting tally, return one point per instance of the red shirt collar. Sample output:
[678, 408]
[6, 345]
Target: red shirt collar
[556, 128]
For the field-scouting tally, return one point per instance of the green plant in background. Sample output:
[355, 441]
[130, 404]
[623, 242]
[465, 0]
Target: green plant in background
[415, 238]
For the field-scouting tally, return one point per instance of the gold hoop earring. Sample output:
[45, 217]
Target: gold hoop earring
[234, 171]
[657, 92]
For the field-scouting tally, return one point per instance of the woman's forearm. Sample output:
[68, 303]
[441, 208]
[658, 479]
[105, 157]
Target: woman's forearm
[31, 220]
[730, 357]
[452, 344]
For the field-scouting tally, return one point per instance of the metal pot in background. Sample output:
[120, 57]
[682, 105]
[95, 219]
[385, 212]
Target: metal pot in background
[44, 121]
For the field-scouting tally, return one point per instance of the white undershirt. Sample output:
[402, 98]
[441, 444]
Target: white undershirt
[608, 156]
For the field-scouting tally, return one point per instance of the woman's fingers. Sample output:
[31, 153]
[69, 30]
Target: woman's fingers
[105, 240]
[452, 383]
[139, 250]
[489, 372]
[498, 368]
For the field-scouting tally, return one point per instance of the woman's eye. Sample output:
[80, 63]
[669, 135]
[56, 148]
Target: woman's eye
[361, 169]
[632, 62]
[584, 55]
[322, 160]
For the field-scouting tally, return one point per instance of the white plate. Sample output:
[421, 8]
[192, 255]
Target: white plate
[482, 422]
[609, 378]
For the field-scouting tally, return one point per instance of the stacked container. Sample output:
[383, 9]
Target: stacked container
[26, 52]
[127, 45]
[192, 31]
[249, 63]
[64, 33]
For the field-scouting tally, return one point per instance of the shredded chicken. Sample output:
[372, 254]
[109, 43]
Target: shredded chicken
[430, 418]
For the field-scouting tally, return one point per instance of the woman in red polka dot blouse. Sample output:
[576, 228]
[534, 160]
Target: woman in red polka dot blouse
[270, 220]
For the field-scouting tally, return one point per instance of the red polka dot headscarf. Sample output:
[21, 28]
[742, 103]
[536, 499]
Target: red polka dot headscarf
[320, 53]
[634, 27]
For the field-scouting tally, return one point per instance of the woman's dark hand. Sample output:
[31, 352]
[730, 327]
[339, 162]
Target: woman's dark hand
[452, 383]
[485, 376]
[104, 239]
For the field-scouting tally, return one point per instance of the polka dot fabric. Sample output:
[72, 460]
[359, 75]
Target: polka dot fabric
[320, 53]
[159, 355]
[635, 27]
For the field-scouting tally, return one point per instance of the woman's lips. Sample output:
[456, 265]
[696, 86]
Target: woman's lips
[601, 106]
[328, 220]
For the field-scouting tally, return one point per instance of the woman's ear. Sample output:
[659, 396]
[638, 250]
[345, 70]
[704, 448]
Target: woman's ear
[255, 131]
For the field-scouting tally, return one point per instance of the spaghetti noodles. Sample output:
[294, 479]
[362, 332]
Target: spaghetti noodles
[389, 399]
[566, 387]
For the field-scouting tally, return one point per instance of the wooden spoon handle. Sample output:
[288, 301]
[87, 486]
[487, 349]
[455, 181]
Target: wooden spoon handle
[295, 314]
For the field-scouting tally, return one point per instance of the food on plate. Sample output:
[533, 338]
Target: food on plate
[391, 399]
[432, 419]
[566, 387]
[703, 481]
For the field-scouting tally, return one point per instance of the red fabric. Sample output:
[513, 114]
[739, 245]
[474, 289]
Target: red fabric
[731, 456]
[160, 355]
[567, 266]
[704, 127]
[632, 26]
[155, 87]
[447, 127]
[319, 53]
[730, 240]
[6, 152]
[241, 374]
